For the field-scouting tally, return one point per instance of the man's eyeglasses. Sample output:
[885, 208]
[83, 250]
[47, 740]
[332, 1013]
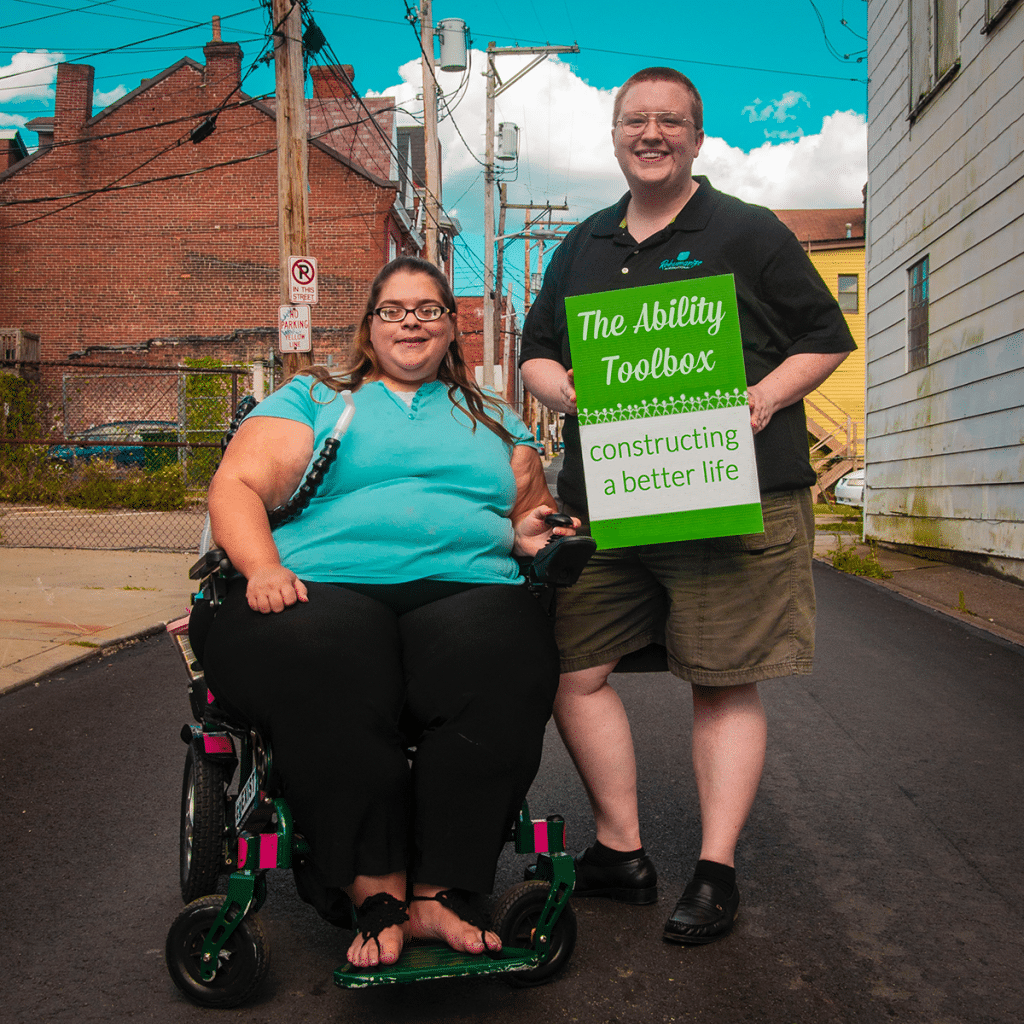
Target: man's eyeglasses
[668, 121]
[396, 314]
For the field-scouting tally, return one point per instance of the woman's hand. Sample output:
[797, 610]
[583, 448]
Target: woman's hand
[273, 588]
[532, 533]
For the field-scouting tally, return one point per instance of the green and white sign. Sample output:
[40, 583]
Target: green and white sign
[668, 452]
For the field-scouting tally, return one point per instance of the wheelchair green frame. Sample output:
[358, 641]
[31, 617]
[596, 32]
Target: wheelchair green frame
[217, 951]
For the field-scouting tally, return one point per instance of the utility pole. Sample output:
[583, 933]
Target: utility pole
[502, 194]
[292, 152]
[495, 87]
[433, 170]
[537, 416]
[501, 326]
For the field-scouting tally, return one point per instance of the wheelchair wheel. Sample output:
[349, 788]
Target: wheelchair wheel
[201, 850]
[514, 919]
[244, 960]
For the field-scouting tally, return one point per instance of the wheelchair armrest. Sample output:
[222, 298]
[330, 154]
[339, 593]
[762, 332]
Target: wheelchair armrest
[560, 562]
[212, 561]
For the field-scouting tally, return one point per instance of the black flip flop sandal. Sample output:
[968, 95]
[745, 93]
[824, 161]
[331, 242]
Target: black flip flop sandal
[377, 912]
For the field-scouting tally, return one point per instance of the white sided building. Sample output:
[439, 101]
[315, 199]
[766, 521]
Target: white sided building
[945, 268]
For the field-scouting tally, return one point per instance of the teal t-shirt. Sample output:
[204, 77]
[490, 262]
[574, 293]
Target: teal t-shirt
[414, 493]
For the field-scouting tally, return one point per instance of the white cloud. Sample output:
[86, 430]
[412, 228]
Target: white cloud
[29, 76]
[824, 171]
[778, 110]
[12, 121]
[564, 144]
[566, 153]
[101, 100]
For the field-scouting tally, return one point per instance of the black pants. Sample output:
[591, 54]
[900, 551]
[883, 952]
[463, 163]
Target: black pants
[341, 685]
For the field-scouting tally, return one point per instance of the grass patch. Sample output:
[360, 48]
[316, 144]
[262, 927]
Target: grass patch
[846, 511]
[82, 643]
[845, 527]
[846, 559]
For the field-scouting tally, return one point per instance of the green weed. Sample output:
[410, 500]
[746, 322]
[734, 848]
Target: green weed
[846, 559]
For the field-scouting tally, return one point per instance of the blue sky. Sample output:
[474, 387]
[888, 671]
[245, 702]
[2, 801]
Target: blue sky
[784, 111]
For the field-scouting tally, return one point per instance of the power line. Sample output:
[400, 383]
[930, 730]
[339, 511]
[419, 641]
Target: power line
[205, 114]
[128, 46]
[198, 133]
[60, 11]
[844, 58]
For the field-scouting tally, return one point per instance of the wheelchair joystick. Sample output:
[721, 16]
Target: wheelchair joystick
[558, 519]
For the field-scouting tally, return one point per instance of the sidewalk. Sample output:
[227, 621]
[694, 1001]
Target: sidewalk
[975, 598]
[62, 606]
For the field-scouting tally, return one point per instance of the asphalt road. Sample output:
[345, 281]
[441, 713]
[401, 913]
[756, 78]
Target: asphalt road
[880, 871]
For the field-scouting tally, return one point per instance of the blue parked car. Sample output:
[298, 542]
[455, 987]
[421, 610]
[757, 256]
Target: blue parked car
[124, 442]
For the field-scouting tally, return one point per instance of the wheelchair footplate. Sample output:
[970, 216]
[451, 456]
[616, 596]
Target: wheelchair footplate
[533, 919]
[426, 963]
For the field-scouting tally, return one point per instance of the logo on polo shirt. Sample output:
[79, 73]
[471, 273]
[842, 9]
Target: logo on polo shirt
[681, 262]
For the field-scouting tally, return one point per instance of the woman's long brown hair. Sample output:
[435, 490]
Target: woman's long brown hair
[453, 371]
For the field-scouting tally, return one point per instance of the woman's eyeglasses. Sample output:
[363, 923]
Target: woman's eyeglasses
[396, 314]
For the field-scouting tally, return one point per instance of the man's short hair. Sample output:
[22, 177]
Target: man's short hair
[662, 75]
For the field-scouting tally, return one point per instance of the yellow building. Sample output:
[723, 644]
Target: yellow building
[834, 239]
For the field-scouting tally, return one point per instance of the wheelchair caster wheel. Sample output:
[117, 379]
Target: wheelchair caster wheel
[243, 961]
[201, 848]
[515, 919]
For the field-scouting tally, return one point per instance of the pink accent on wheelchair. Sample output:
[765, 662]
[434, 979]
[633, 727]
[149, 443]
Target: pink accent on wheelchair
[217, 744]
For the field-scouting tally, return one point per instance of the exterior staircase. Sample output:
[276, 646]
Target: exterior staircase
[836, 448]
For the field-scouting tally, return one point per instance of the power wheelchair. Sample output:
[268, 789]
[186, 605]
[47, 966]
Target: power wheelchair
[234, 822]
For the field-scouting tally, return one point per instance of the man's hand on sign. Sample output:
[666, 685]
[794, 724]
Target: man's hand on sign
[569, 394]
[761, 407]
[793, 379]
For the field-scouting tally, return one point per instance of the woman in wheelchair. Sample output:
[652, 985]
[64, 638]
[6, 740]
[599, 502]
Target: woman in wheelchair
[390, 614]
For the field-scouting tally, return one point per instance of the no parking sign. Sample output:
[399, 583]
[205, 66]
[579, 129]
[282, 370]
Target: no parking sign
[303, 283]
[293, 329]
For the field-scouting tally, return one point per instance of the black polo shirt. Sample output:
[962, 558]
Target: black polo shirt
[784, 307]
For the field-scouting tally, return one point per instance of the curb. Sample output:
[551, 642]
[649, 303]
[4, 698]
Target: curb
[61, 659]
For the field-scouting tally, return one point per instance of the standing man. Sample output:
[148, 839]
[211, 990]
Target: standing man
[731, 611]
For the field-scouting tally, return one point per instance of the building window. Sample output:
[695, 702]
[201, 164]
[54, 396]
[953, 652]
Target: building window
[934, 47]
[995, 11]
[917, 316]
[849, 293]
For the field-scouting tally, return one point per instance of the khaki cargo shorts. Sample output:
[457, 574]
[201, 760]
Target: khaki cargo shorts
[729, 611]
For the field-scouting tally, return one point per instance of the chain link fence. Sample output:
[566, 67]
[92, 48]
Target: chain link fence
[111, 457]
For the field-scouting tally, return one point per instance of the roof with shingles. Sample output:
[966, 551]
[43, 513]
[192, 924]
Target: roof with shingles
[345, 125]
[821, 226]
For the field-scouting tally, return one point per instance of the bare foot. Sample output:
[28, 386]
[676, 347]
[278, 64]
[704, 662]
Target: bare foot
[383, 915]
[385, 949]
[429, 919]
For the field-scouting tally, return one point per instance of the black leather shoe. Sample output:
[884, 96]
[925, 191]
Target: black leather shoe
[634, 881]
[705, 912]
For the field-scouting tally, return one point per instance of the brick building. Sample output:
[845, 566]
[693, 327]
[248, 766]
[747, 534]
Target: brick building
[124, 241]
